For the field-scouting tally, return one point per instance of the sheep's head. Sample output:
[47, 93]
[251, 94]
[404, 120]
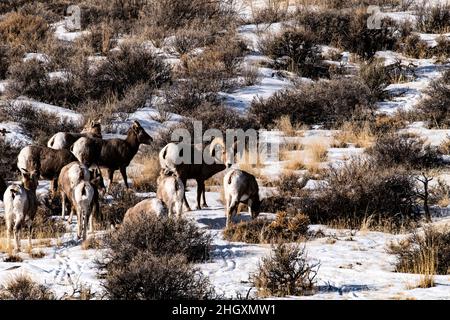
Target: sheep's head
[30, 180]
[94, 127]
[140, 133]
[256, 209]
[223, 153]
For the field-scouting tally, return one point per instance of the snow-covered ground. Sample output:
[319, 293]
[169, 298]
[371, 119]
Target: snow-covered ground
[353, 264]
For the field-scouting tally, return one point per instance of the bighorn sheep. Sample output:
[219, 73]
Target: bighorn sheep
[45, 161]
[171, 192]
[20, 206]
[170, 160]
[112, 154]
[153, 206]
[64, 140]
[240, 187]
[81, 188]
[2, 188]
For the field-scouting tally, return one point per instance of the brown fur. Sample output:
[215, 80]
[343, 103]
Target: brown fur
[115, 154]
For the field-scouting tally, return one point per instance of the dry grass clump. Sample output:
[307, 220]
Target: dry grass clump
[145, 179]
[286, 271]
[22, 287]
[114, 211]
[413, 46]
[317, 151]
[288, 226]
[426, 254]
[357, 134]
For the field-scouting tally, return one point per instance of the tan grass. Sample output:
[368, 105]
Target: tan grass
[145, 179]
[352, 133]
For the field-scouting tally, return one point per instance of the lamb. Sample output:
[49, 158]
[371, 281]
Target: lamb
[169, 161]
[240, 187]
[20, 207]
[81, 188]
[64, 140]
[45, 161]
[2, 188]
[112, 154]
[153, 206]
[171, 192]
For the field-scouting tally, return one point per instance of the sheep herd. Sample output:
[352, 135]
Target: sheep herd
[72, 162]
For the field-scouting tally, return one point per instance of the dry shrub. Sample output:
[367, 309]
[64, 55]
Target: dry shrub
[434, 18]
[423, 252]
[376, 76]
[413, 46]
[46, 226]
[359, 189]
[23, 30]
[149, 258]
[8, 161]
[326, 102]
[442, 49]
[37, 254]
[272, 11]
[406, 150]
[113, 211]
[436, 106]
[358, 134]
[158, 236]
[191, 38]
[150, 277]
[12, 257]
[348, 30]
[288, 226]
[290, 184]
[22, 287]
[145, 179]
[427, 254]
[251, 75]
[285, 272]
[41, 125]
[295, 50]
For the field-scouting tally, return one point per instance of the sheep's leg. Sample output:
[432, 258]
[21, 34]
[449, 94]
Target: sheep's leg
[123, 172]
[8, 234]
[110, 177]
[185, 203]
[72, 209]
[86, 225]
[231, 212]
[63, 205]
[249, 204]
[204, 198]
[200, 190]
[170, 207]
[30, 233]
[17, 235]
[179, 208]
[79, 224]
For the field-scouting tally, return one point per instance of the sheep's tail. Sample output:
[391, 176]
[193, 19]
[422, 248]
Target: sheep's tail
[231, 176]
[51, 142]
[14, 192]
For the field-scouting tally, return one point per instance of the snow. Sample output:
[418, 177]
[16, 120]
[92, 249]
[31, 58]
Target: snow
[16, 135]
[62, 33]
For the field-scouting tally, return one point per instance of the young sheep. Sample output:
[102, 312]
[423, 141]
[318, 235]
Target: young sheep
[240, 187]
[171, 192]
[153, 206]
[46, 161]
[64, 140]
[169, 158]
[20, 207]
[112, 154]
[77, 185]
